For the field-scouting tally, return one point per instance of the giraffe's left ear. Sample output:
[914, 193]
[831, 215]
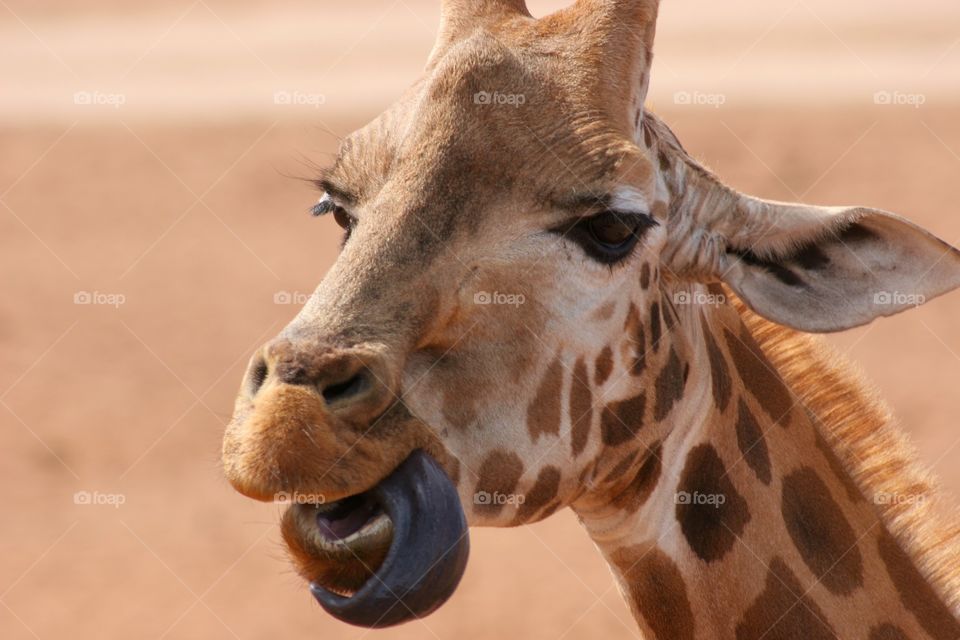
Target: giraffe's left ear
[823, 269]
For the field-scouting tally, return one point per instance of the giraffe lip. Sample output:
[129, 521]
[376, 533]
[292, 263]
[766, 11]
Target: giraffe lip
[427, 554]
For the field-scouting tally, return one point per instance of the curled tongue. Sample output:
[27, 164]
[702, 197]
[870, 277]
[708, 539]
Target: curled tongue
[427, 556]
[346, 517]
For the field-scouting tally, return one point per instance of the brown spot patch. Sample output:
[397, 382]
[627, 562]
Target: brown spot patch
[603, 365]
[655, 331]
[887, 631]
[759, 376]
[916, 594]
[543, 414]
[544, 490]
[710, 511]
[620, 421]
[605, 311]
[669, 386]
[499, 474]
[718, 292]
[664, 160]
[820, 532]
[782, 612]
[752, 444]
[657, 591]
[645, 276]
[460, 410]
[643, 483]
[639, 363]
[581, 407]
[719, 369]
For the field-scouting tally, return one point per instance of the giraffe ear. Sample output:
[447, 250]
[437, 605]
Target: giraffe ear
[822, 269]
[616, 37]
[458, 18]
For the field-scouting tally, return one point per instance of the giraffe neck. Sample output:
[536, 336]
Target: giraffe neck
[740, 521]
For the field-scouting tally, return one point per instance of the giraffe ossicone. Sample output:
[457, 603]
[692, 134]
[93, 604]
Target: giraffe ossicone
[543, 302]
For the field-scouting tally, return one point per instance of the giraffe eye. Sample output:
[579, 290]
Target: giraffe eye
[610, 236]
[343, 219]
[611, 230]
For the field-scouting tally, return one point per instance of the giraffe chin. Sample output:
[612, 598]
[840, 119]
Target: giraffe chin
[415, 536]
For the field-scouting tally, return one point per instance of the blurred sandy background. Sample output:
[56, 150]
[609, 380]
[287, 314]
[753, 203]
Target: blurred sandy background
[148, 159]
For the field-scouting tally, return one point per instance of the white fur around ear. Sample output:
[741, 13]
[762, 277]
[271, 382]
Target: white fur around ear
[828, 269]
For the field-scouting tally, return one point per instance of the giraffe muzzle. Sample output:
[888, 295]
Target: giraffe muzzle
[427, 553]
[375, 523]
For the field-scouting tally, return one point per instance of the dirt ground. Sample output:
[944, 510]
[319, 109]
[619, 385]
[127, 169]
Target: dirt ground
[146, 256]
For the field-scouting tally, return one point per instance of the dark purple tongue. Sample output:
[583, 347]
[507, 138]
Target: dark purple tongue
[346, 517]
[427, 556]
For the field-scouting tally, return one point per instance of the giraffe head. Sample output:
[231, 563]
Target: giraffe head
[517, 233]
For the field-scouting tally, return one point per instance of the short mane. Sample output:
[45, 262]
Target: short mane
[863, 434]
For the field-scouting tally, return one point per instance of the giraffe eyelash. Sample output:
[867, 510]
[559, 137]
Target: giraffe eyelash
[325, 205]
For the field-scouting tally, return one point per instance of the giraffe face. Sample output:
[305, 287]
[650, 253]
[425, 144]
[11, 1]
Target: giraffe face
[488, 346]
[501, 229]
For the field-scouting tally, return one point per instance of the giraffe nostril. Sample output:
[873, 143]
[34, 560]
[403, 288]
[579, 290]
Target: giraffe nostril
[347, 389]
[258, 375]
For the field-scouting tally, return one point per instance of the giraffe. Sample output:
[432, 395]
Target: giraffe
[543, 302]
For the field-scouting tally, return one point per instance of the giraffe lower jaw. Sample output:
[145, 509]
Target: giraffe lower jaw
[388, 555]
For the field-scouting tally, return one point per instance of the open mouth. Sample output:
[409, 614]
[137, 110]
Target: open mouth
[387, 555]
[358, 518]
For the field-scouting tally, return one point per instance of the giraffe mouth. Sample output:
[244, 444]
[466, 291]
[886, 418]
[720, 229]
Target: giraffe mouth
[387, 555]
